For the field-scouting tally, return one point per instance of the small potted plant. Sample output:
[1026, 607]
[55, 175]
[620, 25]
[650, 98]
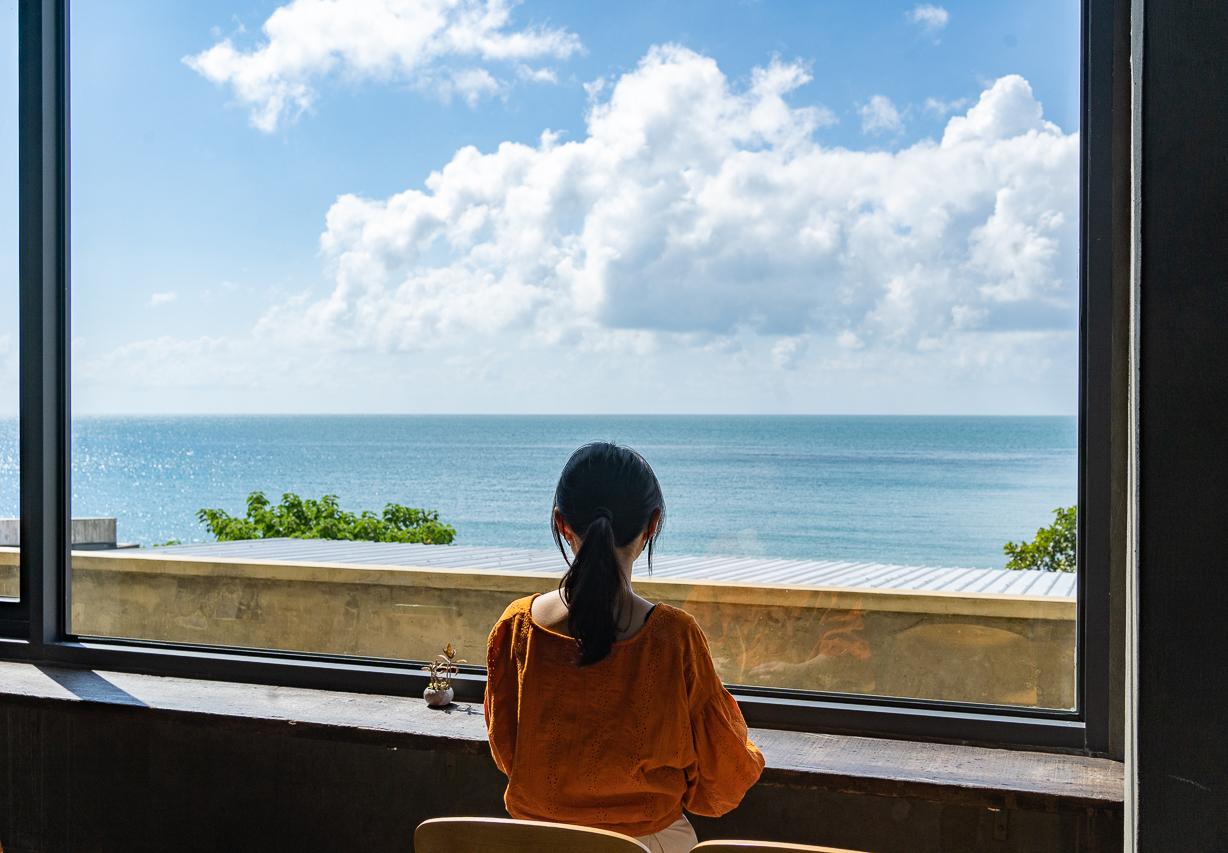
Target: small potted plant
[439, 693]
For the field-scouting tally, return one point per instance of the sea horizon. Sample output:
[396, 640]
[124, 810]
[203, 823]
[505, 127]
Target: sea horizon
[942, 490]
[79, 415]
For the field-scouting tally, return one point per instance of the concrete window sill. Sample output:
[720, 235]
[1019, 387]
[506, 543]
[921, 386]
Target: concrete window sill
[994, 778]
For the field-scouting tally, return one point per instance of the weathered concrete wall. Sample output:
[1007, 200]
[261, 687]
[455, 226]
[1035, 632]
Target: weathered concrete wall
[977, 648]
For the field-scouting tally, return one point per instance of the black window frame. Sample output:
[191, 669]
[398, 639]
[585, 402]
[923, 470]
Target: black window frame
[34, 628]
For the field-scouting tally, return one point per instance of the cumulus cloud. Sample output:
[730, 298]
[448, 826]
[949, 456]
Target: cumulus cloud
[1006, 110]
[167, 297]
[879, 115]
[931, 19]
[444, 46]
[696, 214]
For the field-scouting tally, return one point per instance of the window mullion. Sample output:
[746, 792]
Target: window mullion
[43, 283]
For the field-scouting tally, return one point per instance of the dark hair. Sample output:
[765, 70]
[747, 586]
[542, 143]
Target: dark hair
[607, 494]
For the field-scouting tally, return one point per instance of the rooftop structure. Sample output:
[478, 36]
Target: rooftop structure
[88, 534]
[744, 570]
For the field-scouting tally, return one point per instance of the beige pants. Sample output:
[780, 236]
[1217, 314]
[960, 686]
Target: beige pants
[678, 837]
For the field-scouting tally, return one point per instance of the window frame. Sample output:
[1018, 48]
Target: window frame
[35, 627]
[15, 612]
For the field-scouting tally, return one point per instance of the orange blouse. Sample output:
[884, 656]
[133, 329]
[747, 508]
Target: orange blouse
[623, 744]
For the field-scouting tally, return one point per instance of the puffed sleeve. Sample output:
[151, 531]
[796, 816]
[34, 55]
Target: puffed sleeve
[727, 763]
[502, 699]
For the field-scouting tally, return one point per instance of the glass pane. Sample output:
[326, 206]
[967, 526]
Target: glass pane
[818, 262]
[10, 498]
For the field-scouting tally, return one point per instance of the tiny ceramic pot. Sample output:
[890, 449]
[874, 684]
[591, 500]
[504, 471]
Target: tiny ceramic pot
[438, 698]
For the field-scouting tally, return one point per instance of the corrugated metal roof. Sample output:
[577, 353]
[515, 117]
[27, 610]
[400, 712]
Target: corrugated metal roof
[811, 573]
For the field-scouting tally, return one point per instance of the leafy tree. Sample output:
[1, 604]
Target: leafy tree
[1053, 548]
[324, 519]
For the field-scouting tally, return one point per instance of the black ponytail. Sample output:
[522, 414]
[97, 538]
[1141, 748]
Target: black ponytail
[610, 493]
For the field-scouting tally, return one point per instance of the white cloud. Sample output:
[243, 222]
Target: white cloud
[468, 84]
[1006, 110]
[157, 299]
[694, 213]
[594, 88]
[443, 46]
[700, 227]
[787, 352]
[879, 115]
[848, 339]
[942, 108]
[537, 75]
[931, 19]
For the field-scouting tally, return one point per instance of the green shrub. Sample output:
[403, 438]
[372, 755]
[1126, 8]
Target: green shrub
[324, 519]
[1053, 548]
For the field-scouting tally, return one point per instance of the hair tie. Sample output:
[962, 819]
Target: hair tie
[602, 512]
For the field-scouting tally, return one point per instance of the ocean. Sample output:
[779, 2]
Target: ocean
[939, 491]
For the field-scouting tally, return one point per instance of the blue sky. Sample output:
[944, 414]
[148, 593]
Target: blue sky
[855, 254]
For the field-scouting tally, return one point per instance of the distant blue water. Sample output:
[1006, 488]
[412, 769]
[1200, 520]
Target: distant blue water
[920, 490]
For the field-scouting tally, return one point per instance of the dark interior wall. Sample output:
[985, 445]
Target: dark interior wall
[1182, 644]
[79, 778]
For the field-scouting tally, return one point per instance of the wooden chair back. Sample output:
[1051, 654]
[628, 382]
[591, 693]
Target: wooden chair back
[764, 847]
[504, 835]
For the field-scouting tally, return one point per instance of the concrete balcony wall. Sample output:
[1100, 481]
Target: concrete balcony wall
[9, 582]
[976, 648]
